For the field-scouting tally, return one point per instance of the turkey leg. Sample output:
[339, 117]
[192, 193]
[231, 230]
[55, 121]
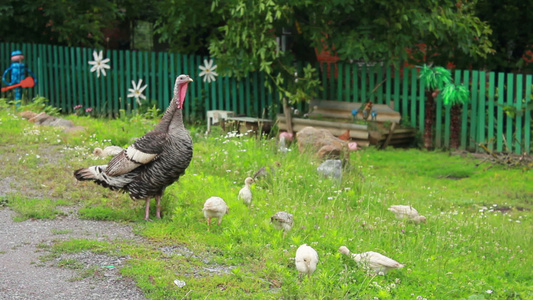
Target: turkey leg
[147, 211]
[158, 206]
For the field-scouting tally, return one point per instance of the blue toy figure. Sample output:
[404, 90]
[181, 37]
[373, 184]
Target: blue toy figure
[18, 72]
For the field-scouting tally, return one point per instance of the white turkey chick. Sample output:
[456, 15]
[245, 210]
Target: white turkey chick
[107, 151]
[407, 212]
[215, 207]
[245, 194]
[282, 221]
[378, 263]
[306, 260]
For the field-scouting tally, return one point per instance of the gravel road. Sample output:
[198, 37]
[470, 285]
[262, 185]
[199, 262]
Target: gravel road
[24, 276]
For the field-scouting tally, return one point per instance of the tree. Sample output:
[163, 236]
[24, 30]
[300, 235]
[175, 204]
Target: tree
[245, 39]
[71, 23]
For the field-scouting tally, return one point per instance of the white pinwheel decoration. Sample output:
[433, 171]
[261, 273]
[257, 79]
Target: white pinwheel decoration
[208, 71]
[137, 91]
[99, 64]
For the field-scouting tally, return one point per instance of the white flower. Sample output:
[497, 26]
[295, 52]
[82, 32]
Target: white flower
[208, 71]
[488, 291]
[137, 91]
[99, 63]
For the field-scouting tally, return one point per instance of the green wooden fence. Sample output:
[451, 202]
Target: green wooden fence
[64, 77]
[497, 113]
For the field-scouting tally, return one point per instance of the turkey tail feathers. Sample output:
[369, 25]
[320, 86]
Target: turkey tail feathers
[96, 174]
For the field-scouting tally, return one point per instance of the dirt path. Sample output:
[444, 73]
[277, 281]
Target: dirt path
[24, 276]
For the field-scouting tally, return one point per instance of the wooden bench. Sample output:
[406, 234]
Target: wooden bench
[336, 116]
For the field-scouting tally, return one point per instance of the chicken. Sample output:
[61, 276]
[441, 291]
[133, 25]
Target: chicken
[345, 136]
[107, 151]
[306, 260]
[378, 263]
[245, 194]
[407, 212]
[282, 220]
[215, 207]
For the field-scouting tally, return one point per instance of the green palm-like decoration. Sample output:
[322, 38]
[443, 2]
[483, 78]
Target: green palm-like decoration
[455, 94]
[435, 78]
[439, 80]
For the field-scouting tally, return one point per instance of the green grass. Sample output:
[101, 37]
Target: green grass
[477, 239]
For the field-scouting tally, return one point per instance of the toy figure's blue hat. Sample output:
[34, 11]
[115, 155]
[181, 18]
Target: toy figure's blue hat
[16, 52]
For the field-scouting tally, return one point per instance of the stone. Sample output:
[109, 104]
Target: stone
[321, 141]
[331, 168]
[27, 114]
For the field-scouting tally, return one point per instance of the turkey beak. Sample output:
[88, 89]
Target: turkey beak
[190, 79]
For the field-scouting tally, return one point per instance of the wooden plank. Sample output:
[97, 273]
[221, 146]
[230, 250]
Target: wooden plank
[165, 82]
[379, 83]
[508, 119]
[340, 96]
[348, 83]
[310, 122]
[482, 108]
[500, 119]
[422, 106]
[241, 97]
[518, 118]
[473, 110]
[134, 77]
[234, 96]
[464, 124]
[323, 68]
[331, 80]
[397, 81]
[355, 134]
[348, 106]
[61, 78]
[263, 90]
[414, 81]
[405, 93]
[115, 72]
[364, 96]
[490, 115]
[527, 117]
[438, 121]
[371, 84]
[247, 95]
[388, 86]
[151, 71]
[255, 99]
[356, 80]
[78, 70]
[128, 59]
[173, 74]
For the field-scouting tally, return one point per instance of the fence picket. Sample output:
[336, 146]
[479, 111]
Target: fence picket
[508, 120]
[490, 132]
[518, 116]
[527, 115]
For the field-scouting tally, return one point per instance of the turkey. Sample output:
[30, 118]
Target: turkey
[282, 220]
[306, 260]
[378, 263]
[407, 212]
[215, 207]
[154, 161]
[245, 194]
[107, 151]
